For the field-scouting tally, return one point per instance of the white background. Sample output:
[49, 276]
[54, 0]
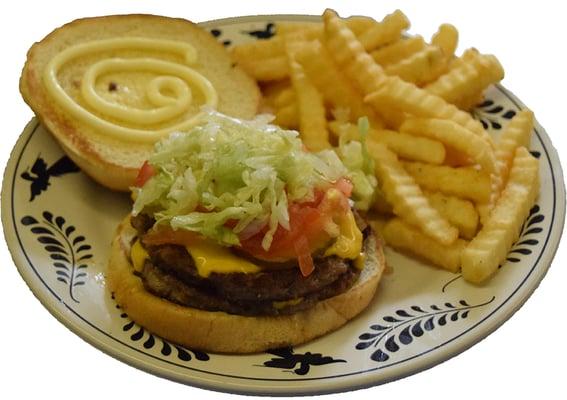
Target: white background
[524, 358]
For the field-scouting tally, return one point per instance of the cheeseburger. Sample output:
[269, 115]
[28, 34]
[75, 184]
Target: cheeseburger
[240, 240]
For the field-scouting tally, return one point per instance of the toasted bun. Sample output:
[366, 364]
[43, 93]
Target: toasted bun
[229, 333]
[110, 161]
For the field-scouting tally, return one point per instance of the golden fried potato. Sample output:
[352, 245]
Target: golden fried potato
[446, 38]
[454, 135]
[516, 133]
[401, 236]
[406, 197]
[350, 55]
[387, 31]
[398, 51]
[336, 89]
[422, 67]
[459, 212]
[312, 115]
[464, 182]
[490, 247]
[407, 97]
[405, 146]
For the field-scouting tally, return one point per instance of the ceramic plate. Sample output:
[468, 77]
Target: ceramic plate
[58, 225]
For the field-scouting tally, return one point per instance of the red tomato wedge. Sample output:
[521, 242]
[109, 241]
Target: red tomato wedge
[144, 174]
[307, 232]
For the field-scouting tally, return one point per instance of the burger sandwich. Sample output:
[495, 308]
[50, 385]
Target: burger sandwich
[240, 240]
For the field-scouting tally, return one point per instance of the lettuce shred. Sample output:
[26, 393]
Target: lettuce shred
[226, 174]
[360, 165]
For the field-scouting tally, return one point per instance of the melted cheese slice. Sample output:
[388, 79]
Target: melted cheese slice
[210, 257]
[138, 255]
[349, 242]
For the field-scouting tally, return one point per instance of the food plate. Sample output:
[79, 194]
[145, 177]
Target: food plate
[58, 224]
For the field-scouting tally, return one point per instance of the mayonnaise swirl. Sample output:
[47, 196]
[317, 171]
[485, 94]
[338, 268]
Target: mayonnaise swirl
[177, 79]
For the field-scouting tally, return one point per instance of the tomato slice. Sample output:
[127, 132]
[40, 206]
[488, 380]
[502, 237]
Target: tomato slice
[304, 259]
[307, 232]
[144, 174]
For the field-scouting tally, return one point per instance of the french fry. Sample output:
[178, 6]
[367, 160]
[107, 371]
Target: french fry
[422, 67]
[490, 247]
[459, 212]
[386, 31]
[336, 89]
[287, 117]
[357, 24]
[266, 69]
[464, 182]
[284, 98]
[454, 135]
[405, 146]
[406, 238]
[464, 84]
[350, 55]
[287, 27]
[259, 49]
[516, 133]
[446, 38]
[397, 51]
[312, 119]
[406, 197]
[409, 98]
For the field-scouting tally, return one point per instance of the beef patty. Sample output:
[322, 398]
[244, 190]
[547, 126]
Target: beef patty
[170, 273]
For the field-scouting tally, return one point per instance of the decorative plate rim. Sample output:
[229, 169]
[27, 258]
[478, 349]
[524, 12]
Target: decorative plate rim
[365, 378]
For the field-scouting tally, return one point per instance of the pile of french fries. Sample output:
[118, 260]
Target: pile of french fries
[449, 193]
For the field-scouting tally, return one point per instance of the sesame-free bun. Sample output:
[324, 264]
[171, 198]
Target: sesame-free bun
[228, 333]
[111, 161]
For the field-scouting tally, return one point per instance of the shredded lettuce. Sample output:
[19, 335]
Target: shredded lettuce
[360, 165]
[226, 174]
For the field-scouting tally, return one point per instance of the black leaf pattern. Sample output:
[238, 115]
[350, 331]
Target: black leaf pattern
[41, 230]
[367, 336]
[527, 240]
[489, 113]
[403, 313]
[416, 330]
[403, 332]
[138, 334]
[29, 220]
[39, 174]
[391, 344]
[405, 336]
[287, 359]
[63, 247]
[379, 356]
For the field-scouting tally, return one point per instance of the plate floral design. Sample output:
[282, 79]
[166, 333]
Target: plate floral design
[58, 234]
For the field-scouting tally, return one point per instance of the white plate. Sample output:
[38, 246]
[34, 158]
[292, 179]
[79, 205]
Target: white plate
[59, 240]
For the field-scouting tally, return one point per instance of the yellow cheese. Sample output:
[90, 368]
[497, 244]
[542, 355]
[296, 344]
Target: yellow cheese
[278, 305]
[349, 242]
[176, 78]
[138, 255]
[210, 257]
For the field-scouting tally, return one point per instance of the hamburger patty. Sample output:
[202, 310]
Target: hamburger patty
[168, 286]
[170, 273]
